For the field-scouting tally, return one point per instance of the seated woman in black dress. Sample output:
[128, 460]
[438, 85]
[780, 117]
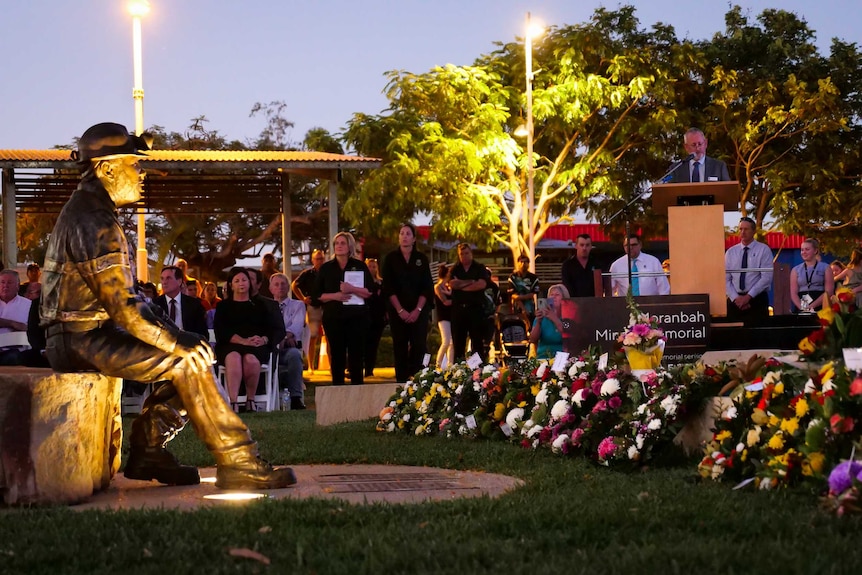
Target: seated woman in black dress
[243, 331]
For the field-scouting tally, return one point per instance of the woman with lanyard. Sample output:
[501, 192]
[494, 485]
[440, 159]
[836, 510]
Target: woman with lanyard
[811, 282]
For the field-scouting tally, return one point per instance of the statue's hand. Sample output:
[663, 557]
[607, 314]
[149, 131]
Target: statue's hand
[196, 350]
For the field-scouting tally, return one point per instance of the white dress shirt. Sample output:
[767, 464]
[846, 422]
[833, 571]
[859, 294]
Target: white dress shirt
[647, 284]
[759, 256]
[293, 314]
[178, 299]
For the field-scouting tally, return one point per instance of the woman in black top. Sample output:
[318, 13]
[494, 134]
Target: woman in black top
[340, 288]
[244, 331]
[409, 289]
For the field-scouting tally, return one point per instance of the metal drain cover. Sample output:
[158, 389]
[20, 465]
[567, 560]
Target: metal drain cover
[388, 482]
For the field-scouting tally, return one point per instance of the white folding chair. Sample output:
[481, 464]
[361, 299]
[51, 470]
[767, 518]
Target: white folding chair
[132, 402]
[268, 400]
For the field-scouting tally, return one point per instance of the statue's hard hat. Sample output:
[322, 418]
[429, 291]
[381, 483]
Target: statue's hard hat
[108, 139]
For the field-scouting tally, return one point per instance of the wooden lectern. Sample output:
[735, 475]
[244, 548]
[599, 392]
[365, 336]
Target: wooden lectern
[695, 217]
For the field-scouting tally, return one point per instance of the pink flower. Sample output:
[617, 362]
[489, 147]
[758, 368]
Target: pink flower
[607, 448]
[615, 402]
[576, 436]
[856, 386]
[641, 329]
[600, 406]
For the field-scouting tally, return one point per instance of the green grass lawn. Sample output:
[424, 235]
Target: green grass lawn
[570, 517]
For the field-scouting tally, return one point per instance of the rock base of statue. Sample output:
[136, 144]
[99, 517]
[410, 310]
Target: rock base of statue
[60, 435]
[645, 362]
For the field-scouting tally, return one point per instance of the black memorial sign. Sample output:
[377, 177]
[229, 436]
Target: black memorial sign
[599, 321]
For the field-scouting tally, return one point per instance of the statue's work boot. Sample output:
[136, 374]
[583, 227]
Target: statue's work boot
[158, 463]
[253, 474]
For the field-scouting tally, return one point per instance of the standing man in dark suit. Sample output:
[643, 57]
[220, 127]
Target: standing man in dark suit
[188, 312]
[699, 167]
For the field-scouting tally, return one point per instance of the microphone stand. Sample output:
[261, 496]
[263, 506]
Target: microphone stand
[638, 194]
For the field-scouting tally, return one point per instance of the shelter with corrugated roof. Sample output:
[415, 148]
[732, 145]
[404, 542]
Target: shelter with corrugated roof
[40, 181]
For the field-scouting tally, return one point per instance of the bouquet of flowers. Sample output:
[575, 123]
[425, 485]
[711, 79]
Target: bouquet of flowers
[643, 332]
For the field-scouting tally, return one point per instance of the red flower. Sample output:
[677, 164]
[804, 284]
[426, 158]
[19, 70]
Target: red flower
[841, 424]
[845, 297]
[856, 386]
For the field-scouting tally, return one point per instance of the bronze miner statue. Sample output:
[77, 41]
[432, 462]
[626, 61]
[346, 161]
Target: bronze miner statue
[96, 322]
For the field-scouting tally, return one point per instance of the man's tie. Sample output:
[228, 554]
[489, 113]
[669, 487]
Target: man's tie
[695, 172]
[173, 313]
[636, 285]
[743, 266]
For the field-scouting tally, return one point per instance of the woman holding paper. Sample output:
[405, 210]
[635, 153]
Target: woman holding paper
[341, 289]
[547, 332]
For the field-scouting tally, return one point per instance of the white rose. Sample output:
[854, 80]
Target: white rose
[542, 396]
[610, 387]
[393, 404]
[560, 409]
[476, 386]
[639, 441]
[459, 389]
[561, 440]
[514, 417]
[387, 417]
[578, 397]
[641, 409]
[406, 417]
[654, 425]
[740, 447]
[633, 452]
[390, 427]
[535, 430]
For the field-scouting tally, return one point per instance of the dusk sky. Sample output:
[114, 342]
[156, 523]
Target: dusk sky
[68, 65]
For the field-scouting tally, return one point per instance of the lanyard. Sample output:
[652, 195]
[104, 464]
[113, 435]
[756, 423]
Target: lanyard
[808, 277]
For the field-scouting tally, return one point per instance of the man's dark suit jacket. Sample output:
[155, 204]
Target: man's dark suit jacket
[194, 315]
[712, 169]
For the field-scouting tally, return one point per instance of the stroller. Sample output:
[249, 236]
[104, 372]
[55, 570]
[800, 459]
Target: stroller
[512, 336]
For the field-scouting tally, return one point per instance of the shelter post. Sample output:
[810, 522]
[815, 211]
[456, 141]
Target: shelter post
[10, 231]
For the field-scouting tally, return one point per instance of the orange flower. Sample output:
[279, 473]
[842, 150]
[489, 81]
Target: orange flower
[856, 386]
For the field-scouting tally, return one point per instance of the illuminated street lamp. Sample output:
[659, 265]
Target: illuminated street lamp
[138, 8]
[531, 31]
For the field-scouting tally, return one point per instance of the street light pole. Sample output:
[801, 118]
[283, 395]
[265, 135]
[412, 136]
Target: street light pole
[531, 231]
[139, 8]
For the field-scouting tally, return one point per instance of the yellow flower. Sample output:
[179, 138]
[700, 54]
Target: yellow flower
[535, 389]
[773, 420]
[499, 411]
[805, 346]
[801, 408]
[827, 314]
[776, 442]
[778, 389]
[827, 372]
[753, 436]
[790, 425]
[815, 461]
[759, 416]
[723, 435]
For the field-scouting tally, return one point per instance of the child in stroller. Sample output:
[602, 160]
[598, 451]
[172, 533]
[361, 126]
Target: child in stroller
[512, 337]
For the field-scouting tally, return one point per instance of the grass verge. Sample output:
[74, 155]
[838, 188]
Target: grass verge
[571, 517]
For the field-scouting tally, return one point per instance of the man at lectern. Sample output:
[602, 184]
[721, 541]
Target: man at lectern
[699, 167]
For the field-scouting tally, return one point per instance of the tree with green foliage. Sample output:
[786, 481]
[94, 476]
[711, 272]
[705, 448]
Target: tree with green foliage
[603, 95]
[775, 110]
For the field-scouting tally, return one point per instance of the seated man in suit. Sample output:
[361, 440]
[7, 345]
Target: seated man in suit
[700, 167]
[289, 355]
[185, 311]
